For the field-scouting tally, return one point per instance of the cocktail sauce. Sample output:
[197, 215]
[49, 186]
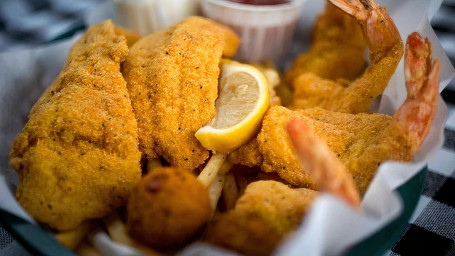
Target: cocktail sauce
[261, 2]
[266, 27]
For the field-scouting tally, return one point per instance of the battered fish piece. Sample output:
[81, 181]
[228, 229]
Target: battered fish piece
[361, 141]
[172, 78]
[261, 218]
[269, 210]
[78, 157]
[130, 36]
[337, 48]
[342, 132]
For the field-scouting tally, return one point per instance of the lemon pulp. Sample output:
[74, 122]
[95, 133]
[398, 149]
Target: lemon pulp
[242, 102]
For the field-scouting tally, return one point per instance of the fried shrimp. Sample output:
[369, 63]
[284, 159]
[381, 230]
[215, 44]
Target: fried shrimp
[315, 156]
[272, 148]
[386, 50]
[77, 157]
[422, 78]
[172, 78]
[269, 210]
[266, 212]
[361, 141]
[337, 48]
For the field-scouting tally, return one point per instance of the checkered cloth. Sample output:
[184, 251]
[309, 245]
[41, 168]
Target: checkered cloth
[431, 231]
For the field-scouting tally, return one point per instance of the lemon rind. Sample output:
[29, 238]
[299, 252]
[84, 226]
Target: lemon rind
[215, 139]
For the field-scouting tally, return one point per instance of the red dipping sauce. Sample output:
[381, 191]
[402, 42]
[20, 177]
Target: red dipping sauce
[261, 2]
[266, 27]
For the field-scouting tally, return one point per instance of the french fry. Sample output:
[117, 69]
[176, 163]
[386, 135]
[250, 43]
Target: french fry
[213, 176]
[215, 190]
[226, 167]
[117, 232]
[242, 183]
[85, 249]
[103, 243]
[116, 229]
[72, 238]
[153, 164]
[211, 170]
[230, 192]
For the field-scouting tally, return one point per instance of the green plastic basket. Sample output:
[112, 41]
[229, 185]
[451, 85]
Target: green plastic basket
[39, 242]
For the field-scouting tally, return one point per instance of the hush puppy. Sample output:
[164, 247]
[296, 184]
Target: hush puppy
[167, 208]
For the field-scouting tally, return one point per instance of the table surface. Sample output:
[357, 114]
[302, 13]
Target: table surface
[431, 228]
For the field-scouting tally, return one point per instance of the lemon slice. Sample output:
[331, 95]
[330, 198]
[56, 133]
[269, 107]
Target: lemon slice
[242, 102]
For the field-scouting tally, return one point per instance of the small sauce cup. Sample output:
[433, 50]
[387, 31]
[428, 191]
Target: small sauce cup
[147, 16]
[266, 31]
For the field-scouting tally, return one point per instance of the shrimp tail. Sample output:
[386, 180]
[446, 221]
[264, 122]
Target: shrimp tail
[378, 28]
[422, 80]
[322, 165]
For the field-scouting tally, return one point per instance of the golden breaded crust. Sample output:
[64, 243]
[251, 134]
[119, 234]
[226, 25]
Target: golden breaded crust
[247, 154]
[361, 141]
[337, 48]
[172, 78]
[130, 36]
[261, 218]
[336, 56]
[167, 208]
[77, 157]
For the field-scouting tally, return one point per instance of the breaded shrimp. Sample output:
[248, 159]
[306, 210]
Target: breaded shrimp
[274, 152]
[77, 157]
[267, 211]
[386, 50]
[422, 81]
[361, 141]
[324, 168]
[337, 48]
[172, 78]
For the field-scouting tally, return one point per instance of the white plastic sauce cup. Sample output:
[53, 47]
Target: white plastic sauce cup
[266, 31]
[147, 16]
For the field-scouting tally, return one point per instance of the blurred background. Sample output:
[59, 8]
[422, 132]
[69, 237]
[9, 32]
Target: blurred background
[28, 23]
[25, 24]
[444, 26]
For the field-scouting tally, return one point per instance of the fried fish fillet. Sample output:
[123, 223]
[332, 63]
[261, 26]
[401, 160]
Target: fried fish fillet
[77, 157]
[361, 141]
[130, 36]
[261, 218]
[172, 78]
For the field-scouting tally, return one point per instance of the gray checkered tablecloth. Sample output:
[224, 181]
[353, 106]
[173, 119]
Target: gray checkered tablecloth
[431, 229]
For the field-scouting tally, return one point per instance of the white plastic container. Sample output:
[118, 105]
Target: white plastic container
[266, 31]
[148, 16]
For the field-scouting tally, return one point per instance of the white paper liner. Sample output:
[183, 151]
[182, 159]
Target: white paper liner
[330, 227]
